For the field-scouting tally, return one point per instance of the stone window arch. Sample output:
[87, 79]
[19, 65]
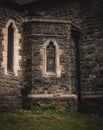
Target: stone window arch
[51, 59]
[11, 29]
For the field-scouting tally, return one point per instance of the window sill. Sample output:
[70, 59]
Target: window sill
[50, 74]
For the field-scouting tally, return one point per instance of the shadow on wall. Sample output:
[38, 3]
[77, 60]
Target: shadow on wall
[26, 102]
[94, 105]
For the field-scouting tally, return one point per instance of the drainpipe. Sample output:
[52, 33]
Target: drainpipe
[75, 33]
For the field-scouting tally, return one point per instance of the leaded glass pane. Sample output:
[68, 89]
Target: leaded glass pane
[50, 57]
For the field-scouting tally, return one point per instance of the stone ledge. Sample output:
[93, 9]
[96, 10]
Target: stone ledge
[52, 96]
[92, 96]
[47, 20]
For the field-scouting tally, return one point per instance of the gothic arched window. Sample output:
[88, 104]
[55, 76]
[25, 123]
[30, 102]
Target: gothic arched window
[10, 48]
[50, 56]
[51, 59]
[11, 56]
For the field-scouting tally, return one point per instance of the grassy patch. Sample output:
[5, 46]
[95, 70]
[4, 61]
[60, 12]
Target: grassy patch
[50, 120]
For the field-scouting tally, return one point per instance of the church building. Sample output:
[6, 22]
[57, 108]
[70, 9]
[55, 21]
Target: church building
[51, 51]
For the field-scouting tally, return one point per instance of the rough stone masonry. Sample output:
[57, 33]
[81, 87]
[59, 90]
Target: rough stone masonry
[74, 29]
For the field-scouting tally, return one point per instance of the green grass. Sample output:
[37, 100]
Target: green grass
[50, 120]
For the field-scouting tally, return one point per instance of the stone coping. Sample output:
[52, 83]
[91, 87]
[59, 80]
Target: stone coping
[50, 20]
[47, 20]
[50, 96]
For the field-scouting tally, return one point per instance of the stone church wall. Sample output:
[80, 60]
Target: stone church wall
[10, 84]
[63, 82]
[91, 55]
[87, 17]
[35, 35]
